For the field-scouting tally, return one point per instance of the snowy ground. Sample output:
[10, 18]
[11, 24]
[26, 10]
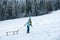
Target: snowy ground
[46, 27]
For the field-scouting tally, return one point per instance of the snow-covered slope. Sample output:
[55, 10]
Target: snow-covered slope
[46, 27]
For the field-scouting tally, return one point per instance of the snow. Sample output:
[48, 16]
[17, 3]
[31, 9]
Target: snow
[46, 27]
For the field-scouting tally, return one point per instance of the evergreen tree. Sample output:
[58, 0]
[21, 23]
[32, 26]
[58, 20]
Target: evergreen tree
[35, 8]
[49, 6]
[28, 7]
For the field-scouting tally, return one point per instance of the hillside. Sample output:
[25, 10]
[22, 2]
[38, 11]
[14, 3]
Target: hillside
[46, 27]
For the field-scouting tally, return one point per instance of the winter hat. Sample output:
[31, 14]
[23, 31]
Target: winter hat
[29, 18]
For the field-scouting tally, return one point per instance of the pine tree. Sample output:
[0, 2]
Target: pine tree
[49, 6]
[28, 8]
[35, 8]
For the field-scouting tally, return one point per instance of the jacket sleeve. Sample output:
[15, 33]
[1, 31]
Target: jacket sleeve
[26, 23]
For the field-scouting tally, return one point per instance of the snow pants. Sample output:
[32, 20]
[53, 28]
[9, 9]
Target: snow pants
[28, 29]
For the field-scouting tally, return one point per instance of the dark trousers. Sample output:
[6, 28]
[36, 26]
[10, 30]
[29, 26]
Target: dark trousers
[28, 29]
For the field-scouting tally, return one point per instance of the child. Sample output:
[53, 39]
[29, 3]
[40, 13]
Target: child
[29, 23]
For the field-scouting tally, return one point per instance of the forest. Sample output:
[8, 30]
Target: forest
[11, 9]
